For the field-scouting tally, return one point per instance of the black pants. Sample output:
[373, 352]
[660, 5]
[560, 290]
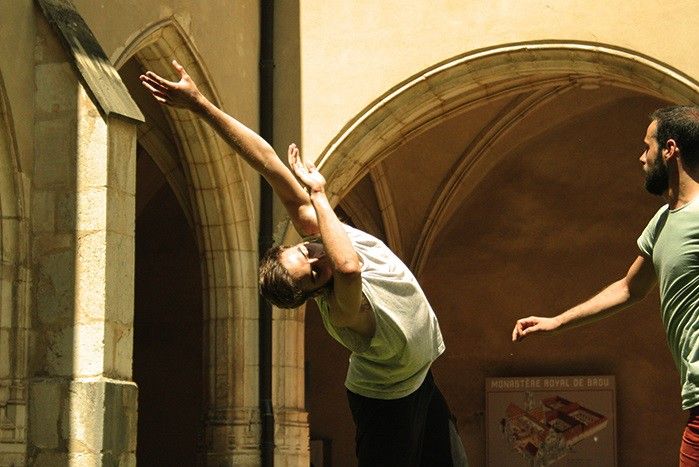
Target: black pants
[408, 432]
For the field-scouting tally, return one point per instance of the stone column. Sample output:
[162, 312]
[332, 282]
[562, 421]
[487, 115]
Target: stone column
[82, 402]
[13, 344]
[291, 433]
[14, 286]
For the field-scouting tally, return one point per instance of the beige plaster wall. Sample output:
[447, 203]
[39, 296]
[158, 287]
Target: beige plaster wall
[230, 55]
[17, 31]
[353, 52]
[224, 34]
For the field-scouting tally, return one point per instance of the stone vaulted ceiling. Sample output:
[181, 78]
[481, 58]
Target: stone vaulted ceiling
[444, 185]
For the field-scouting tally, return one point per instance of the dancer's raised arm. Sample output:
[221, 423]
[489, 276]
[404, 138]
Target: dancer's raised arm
[251, 146]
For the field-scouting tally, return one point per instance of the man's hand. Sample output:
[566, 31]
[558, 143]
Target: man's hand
[183, 93]
[305, 171]
[532, 324]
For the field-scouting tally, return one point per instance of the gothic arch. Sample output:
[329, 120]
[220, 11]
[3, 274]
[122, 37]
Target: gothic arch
[208, 181]
[439, 92]
[14, 320]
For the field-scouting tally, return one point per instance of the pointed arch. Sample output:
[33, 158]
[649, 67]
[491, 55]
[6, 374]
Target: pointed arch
[387, 208]
[209, 182]
[473, 161]
[14, 316]
[459, 84]
[436, 93]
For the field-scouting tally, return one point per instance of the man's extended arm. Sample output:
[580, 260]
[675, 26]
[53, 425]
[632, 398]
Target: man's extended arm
[638, 281]
[346, 296]
[251, 147]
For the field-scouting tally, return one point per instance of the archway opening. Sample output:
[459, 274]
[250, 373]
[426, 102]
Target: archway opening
[14, 294]
[168, 361]
[168, 325]
[208, 183]
[513, 188]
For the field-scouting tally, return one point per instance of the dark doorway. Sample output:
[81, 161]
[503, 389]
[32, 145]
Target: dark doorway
[167, 325]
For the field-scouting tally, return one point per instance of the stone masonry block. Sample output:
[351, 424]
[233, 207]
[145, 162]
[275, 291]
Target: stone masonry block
[215, 237]
[59, 351]
[92, 145]
[43, 211]
[5, 354]
[220, 302]
[239, 198]
[121, 212]
[102, 420]
[4, 393]
[120, 278]
[243, 235]
[48, 244]
[54, 292]
[217, 265]
[51, 459]
[127, 460]
[90, 276]
[250, 301]
[203, 175]
[56, 89]
[54, 165]
[121, 410]
[65, 211]
[91, 423]
[252, 391]
[123, 354]
[91, 170]
[46, 400]
[85, 416]
[9, 205]
[248, 261]
[91, 206]
[118, 350]
[209, 206]
[87, 459]
[10, 240]
[89, 349]
[6, 294]
[122, 156]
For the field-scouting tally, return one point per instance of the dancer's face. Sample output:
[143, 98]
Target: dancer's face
[657, 180]
[308, 265]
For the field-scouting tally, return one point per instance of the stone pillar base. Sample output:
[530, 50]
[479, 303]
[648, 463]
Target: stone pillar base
[82, 422]
[291, 438]
[233, 438]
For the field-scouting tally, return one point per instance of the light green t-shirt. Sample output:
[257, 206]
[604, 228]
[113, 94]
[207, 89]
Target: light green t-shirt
[394, 362]
[671, 239]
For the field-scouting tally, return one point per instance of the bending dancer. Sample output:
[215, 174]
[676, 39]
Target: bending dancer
[369, 301]
[669, 254]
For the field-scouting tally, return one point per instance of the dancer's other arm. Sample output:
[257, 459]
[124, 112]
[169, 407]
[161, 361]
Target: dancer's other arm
[631, 288]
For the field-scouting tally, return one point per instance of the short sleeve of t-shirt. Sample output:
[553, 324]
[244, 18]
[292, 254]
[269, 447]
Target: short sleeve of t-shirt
[649, 235]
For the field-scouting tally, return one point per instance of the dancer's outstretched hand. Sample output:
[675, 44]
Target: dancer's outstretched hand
[533, 324]
[305, 171]
[183, 93]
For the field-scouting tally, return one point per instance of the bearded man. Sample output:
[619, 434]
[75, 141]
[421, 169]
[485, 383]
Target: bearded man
[669, 255]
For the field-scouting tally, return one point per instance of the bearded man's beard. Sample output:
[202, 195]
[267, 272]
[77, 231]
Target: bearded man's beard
[657, 180]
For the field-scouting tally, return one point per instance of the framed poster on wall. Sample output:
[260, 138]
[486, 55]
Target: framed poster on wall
[562, 421]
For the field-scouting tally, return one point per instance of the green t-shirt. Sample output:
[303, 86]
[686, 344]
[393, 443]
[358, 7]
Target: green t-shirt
[394, 362]
[671, 239]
